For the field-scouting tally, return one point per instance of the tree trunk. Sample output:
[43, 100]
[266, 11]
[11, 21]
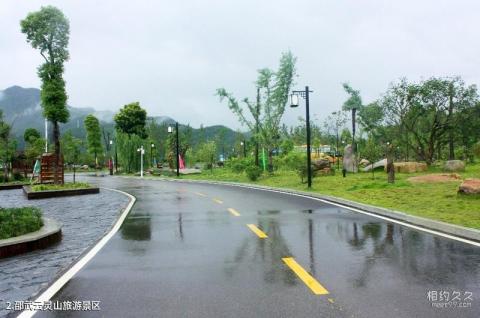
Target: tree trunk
[5, 162]
[56, 139]
[354, 147]
[451, 146]
[257, 163]
[5, 171]
[406, 145]
[270, 161]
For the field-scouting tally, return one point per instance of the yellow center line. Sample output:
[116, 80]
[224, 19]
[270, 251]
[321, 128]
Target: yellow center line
[257, 231]
[331, 300]
[218, 201]
[200, 194]
[310, 281]
[233, 212]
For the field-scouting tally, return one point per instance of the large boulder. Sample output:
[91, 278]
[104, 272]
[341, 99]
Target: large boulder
[320, 164]
[409, 167]
[454, 166]
[349, 163]
[470, 186]
[364, 163]
[380, 163]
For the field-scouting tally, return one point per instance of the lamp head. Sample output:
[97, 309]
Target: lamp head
[293, 100]
[170, 129]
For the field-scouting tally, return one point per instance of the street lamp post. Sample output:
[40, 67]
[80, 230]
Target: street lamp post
[336, 151]
[170, 130]
[354, 146]
[142, 152]
[110, 165]
[294, 103]
[116, 156]
[151, 154]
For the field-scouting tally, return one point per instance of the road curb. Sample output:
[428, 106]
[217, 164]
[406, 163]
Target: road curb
[446, 228]
[50, 233]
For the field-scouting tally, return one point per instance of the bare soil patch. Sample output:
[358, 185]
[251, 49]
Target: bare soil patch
[434, 178]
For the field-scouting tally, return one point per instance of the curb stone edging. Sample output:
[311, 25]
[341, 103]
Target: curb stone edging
[50, 233]
[27, 190]
[446, 228]
[12, 186]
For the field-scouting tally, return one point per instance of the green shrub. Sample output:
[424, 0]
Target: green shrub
[19, 221]
[253, 172]
[476, 149]
[17, 176]
[66, 186]
[291, 161]
[238, 165]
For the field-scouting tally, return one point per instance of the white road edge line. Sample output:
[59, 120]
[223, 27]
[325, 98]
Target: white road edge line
[456, 238]
[62, 280]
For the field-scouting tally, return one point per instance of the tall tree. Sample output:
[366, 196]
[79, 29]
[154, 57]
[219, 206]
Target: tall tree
[397, 103]
[207, 153]
[460, 97]
[333, 124]
[34, 144]
[7, 147]
[72, 149]
[31, 134]
[94, 136]
[48, 31]
[130, 121]
[272, 96]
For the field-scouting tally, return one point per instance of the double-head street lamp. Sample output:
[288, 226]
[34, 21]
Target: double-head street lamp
[294, 103]
[142, 152]
[170, 130]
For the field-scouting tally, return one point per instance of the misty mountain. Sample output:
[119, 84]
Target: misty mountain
[21, 109]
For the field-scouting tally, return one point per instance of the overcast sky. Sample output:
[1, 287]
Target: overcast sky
[172, 55]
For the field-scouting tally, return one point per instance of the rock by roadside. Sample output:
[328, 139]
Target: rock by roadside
[470, 186]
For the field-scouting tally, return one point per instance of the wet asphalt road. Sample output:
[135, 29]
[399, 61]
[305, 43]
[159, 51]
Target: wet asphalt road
[181, 253]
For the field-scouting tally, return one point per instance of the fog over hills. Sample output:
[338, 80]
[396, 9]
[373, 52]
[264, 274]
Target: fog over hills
[21, 109]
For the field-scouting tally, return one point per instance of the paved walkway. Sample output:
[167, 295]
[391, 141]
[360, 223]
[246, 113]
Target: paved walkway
[85, 219]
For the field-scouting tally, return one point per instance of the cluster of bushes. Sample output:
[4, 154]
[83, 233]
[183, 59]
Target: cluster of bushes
[16, 176]
[244, 165]
[238, 165]
[19, 221]
[292, 161]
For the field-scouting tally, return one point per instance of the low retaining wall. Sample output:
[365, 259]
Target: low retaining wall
[27, 190]
[50, 233]
[11, 186]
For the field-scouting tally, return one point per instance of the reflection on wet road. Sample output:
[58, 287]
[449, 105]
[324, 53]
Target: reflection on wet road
[196, 250]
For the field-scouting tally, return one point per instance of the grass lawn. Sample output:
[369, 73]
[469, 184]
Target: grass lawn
[438, 201]
[19, 221]
[66, 186]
